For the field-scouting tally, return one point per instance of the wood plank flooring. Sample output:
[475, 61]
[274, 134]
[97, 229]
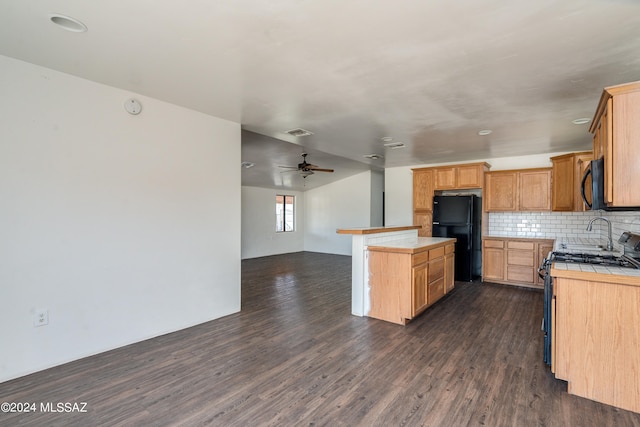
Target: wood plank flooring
[295, 356]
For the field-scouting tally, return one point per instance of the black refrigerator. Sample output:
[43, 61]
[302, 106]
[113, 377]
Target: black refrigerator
[461, 217]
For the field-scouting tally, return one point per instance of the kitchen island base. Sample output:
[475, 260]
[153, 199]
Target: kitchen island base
[407, 277]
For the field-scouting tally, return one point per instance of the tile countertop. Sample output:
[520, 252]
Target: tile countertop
[580, 246]
[411, 246]
[593, 272]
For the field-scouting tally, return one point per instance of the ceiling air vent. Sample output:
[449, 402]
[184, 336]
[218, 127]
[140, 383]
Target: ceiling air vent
[299, 132]
[394, 145]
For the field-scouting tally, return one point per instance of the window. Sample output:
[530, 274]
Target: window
[284, 213]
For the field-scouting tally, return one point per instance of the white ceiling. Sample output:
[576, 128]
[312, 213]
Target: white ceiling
[430, 74]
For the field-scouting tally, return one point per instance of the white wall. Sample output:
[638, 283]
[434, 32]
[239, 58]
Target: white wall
[259, 237]
[377, 198]
[399, 183]
[123, 227]
[342, 204]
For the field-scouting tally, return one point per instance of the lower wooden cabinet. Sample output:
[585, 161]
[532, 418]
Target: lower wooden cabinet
[514, 260]
[449, 268]
[404, 283]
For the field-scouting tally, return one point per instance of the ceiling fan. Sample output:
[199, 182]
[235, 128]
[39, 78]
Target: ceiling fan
[305, 169]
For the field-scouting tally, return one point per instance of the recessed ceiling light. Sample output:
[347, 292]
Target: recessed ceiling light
[373, 156]
[386, 139]
[485, 132]
[247, 165]
[68, 23]
[394, 145]
[581, 121]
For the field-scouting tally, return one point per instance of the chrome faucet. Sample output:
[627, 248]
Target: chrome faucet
[590, 227]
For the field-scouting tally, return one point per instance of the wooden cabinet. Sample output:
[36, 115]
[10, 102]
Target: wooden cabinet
[534, 190]
[616, 132]
[501, 191]
[568, 170]
[493, 261]
[419, 287]
[518, 190]
[457, 177]
[423, 187]
[435, 276]
[428, 180]
[404, 281]
[513, 260]
[595, 336]
[449, 268]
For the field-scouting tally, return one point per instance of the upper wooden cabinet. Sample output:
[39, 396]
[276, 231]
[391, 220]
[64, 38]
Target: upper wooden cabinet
[460, 176]
[518, 190]
[616, 132]
[423, 186]
[427, 180]
[567, 176]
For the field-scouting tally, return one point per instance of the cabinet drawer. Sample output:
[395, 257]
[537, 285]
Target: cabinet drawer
[514, 244]
[494, 244]
[436, 290]
[524, 258]
[436, 270]
[449, 249]
[436, 253]
[520, 274]
[419, 258]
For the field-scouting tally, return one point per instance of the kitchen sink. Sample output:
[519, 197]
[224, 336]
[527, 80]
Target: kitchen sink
[581, 247]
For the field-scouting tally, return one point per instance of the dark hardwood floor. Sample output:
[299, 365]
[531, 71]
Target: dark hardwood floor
[296, 356]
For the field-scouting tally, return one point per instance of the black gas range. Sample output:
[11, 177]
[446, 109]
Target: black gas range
[629, 259]
[606, 260]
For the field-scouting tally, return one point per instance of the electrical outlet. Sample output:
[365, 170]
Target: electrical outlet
[41, 318]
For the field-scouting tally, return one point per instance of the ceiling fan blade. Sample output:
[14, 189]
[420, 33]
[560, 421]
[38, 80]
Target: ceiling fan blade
[321, 170]
[292, 170]
[289, 167]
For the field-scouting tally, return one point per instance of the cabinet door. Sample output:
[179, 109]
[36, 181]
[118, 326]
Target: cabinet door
[449, 272]
[445, 178]
[563, 196]
[605, 149]
[419, 289]
[623, 151]
[423, 190]
[493, 261]
[469, 176]
[423, 219]
[500, 191]
[535, 190]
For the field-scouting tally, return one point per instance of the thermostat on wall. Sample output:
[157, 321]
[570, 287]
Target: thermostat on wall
[133, 106]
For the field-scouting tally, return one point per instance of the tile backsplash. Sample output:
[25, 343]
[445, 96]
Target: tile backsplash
[558, 225]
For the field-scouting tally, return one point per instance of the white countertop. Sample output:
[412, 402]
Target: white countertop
[412, 245]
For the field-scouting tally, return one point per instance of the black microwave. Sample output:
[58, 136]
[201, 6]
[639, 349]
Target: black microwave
[595, 171]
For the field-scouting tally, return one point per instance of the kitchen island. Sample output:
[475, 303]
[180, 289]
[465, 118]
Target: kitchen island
[406, 277]
[596, 332]
[361, 238]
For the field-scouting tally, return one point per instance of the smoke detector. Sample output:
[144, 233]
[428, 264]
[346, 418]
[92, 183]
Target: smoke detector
[299, 132]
